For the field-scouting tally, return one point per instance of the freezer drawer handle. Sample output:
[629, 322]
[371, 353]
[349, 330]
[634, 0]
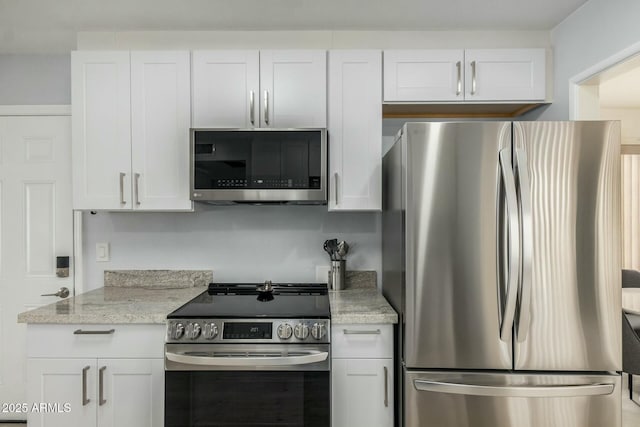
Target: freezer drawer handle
[573, 390]
[249, 360]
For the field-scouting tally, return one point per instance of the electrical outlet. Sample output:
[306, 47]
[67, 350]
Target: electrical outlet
[102, 252]
[322, 273]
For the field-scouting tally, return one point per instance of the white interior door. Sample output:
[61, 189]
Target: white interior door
[36, 225]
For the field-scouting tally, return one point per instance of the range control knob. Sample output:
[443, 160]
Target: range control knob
[177, 331]
[318, 331]
[285, 331]
[193, 331]
[301, 331]
[210, 331]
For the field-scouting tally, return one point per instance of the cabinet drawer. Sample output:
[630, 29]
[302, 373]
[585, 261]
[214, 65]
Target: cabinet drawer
[131, 341]
[362, 341]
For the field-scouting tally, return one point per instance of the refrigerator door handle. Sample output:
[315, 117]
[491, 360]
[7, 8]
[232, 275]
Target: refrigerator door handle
[573, 390]
[526, 239]
[508, 179]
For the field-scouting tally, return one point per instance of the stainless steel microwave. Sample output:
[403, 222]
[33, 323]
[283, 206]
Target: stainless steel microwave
[259, 166]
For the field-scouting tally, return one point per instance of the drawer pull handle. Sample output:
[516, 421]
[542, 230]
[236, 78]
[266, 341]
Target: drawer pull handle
[85, 399]
[386, 387]
[81, 332]
[352, 332]
[101, 399]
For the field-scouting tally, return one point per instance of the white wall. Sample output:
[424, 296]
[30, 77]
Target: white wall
[35, 79]
[592, 34]
[252, 243]
[630, 127]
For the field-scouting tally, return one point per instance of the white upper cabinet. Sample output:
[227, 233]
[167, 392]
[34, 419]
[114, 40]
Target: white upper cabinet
[269, 88]
[160, 121]
[484, 75]
[355, 130]
[130, 130]
[226, 88]
[418, 75]
[505, 74]
[101, 130]
[293, 85]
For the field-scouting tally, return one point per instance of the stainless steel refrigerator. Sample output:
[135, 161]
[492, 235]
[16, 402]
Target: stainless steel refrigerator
[501, 254]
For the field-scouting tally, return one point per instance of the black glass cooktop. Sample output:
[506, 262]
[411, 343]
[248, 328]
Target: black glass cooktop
[243, 300]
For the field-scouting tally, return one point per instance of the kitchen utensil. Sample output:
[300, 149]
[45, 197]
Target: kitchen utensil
[333, 247]
[327, 249]
[343, 249]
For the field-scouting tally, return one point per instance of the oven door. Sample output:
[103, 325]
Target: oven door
[244, 385]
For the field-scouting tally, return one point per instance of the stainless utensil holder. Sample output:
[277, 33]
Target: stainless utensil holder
[337, 275]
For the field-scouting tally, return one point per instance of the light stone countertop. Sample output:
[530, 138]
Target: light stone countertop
[361, 302]
[360, 306]
[113, 305]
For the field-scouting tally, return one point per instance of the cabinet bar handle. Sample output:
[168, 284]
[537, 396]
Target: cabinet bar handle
[85, 401]
[122, 201]
[137, 188]
[101, 399]
[386, 387]
[354, 332]
[266, 107]
[459, 86]
[473, 77]
[251, 108]
[335, 181]
[103, 332]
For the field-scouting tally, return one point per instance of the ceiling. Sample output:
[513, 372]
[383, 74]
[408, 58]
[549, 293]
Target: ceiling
[70, 16]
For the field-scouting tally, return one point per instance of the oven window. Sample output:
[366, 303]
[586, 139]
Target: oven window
[247, 399]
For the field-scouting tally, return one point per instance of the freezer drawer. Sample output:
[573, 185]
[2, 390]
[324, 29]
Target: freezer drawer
[454, 399]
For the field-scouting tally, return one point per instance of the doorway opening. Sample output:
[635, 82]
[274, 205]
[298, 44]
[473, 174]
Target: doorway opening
[614, 94]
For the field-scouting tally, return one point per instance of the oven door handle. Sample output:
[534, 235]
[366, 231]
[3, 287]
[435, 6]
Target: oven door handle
[306, 359]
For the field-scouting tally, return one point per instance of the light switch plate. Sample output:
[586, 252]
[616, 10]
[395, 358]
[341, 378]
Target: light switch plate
[102, 252]
[322, 273]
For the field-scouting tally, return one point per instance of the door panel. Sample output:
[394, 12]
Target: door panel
[132, 391]
[224, 84]
[101, 132]
[295, 84]
[60, 382]
[36, 225]
[450, 399]
[574, 173]
[160, 118]
[453, 304]
[423, 75]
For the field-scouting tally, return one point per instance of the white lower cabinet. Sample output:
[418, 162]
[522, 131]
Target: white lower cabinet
[76, 387]
[362, 376]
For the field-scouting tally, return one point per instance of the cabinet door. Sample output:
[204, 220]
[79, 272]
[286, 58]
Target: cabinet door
[67, 386]
[160, 121]
[355, 130]
[293, 85]
[225, 88]
[132, 392]
[423, 75]
[505, 74]
[101, 130]
[362, 392]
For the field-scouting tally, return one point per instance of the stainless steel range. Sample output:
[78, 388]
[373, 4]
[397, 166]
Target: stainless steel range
[249, 355]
